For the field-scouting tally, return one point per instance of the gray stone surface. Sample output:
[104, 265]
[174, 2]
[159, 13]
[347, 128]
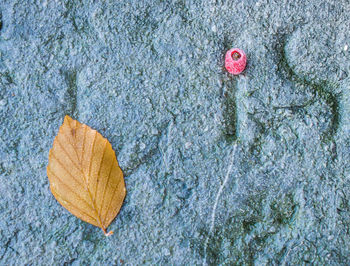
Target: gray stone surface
[244, 170]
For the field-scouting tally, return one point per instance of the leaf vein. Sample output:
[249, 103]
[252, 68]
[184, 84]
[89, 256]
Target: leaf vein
[92, 154]
[87, 183]
[83, 148]
[65, 168]
[66, 152]
[104, 190]
[78, 196]
[110, 202]
[72, 144]
[74, 206]
[99, 168]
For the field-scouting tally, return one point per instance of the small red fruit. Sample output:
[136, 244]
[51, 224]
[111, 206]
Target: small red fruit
[235, 61]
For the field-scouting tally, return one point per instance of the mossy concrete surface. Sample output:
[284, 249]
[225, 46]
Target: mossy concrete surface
[233, 170]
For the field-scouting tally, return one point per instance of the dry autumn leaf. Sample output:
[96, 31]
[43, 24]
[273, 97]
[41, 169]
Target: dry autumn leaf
[84, 174]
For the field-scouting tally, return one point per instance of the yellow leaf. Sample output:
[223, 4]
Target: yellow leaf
[84, 174]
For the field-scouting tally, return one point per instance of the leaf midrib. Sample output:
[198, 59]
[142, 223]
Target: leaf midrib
[81, 170]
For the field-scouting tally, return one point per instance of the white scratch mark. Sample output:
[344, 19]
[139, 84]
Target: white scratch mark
[213, 213]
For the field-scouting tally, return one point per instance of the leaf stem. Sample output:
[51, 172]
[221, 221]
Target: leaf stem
[107, 234]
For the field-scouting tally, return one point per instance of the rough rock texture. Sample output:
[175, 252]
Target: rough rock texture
[253, 169]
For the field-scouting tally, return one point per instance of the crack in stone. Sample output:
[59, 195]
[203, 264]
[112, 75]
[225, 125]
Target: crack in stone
[72, 91]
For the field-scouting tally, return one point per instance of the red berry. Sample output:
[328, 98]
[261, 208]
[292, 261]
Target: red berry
[235, 61]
